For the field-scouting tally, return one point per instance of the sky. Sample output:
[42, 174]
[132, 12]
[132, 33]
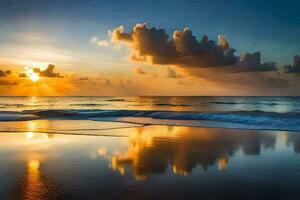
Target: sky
[150, 47]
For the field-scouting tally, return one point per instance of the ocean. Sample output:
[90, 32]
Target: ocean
[147, 148]
[262, 113]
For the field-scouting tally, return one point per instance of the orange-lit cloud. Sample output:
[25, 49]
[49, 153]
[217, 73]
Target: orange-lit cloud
[7, 82]
[171, 73]
[3, 78]
[184, 50]
[139, 71]
[48, 72]
[4, 73]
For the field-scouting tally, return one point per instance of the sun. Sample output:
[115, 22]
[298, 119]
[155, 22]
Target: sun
[31, 74]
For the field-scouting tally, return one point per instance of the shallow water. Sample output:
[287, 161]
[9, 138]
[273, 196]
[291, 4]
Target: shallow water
[146, 162]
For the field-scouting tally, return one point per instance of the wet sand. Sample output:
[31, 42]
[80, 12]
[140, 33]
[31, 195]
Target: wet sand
[99, 160]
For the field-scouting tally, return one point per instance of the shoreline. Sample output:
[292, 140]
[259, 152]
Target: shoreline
[109, 124]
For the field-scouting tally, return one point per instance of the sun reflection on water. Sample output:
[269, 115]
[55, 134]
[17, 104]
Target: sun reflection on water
[34, 187]
[29, 135]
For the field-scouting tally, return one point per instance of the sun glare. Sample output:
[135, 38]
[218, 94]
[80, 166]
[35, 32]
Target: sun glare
[33, 76]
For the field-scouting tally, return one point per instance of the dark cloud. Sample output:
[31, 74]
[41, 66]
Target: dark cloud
[4, 73]
[171, 73]
[295, 68]
[251, 62]
[7, 83]
[139, 71]
[104, 81]
[48, 72]
[246, 83]
[107, 82]
[184, 50]
[22, 75]
[84, 79]
[180, 82]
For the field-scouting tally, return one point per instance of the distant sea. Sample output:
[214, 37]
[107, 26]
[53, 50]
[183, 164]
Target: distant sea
[262, 113]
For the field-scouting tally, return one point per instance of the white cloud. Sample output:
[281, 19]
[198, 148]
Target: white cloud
[103, 43]
[97, 41]
[94, 39]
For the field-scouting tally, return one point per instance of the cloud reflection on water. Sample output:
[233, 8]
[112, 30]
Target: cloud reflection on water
[155, 149]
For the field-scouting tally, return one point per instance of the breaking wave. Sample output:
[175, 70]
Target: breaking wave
[289, 121]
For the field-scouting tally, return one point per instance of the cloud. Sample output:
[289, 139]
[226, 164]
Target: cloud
[94, 39]
[251, 62]
[22, 75]
[295, 68]
[139, 71]
[180, 82]
[171, 73]
[119, 35]
[183, 49]
[154, 45]
[223, 42]
[104, 81]
[7, 83]
[84, 78]
[4, 73]
[101, 43]
[212, 64]
[48, 72]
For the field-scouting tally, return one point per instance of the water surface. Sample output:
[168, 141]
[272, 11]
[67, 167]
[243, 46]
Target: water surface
[263, 113]
[149, 148]
[146, 162]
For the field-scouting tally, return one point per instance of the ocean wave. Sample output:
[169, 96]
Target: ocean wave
[289, 121]
[248, 103]
[16, 116]
[121, 100]
[19, 105]
[170, 104]
[88, 104]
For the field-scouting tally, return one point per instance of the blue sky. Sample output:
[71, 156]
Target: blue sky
[272, 27]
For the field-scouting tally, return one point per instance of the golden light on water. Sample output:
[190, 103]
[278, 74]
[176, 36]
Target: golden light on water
[29, 135]
[34, 186]
[34, 164]
[223, 163]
